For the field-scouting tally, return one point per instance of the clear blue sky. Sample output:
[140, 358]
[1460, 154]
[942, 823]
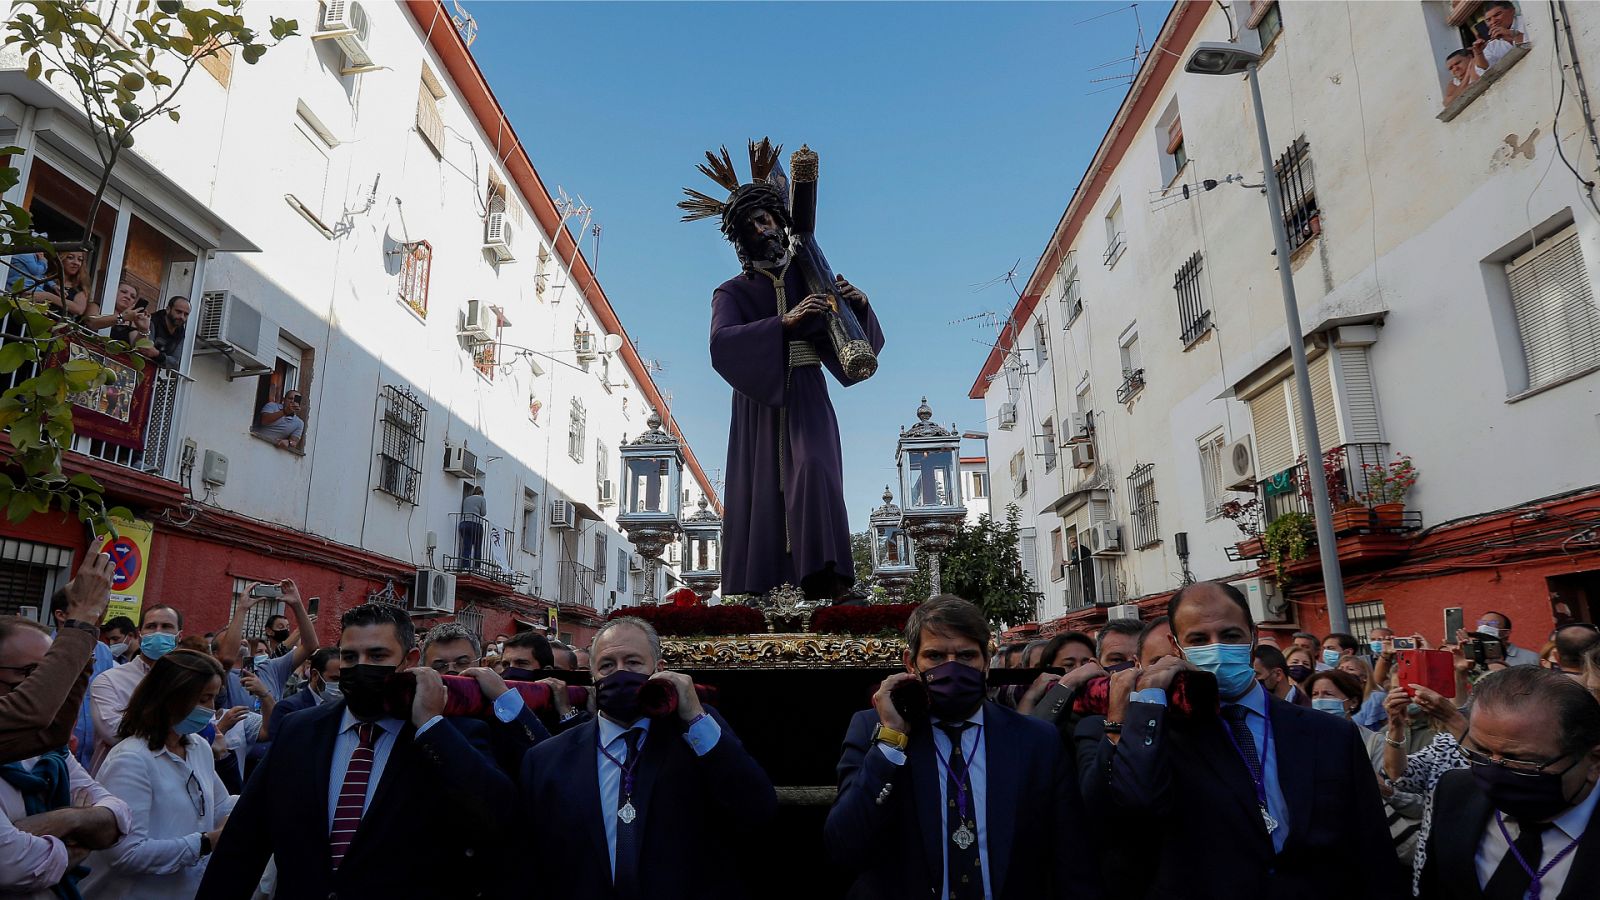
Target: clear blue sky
[951, 138]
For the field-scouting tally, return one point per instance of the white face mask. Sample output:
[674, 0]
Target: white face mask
[1490, 630]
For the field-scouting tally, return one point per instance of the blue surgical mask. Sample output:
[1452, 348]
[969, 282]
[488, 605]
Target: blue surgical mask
[330, 691]
[1230, 663]
[158, 644]
[1330, 705]
[261, 661]
[1330, 658]
[197, 719]
[1377, 647]
[1490, 630]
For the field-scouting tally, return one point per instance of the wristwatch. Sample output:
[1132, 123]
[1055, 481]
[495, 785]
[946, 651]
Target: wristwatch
[205, 844]
[83, 626]
[887, 736]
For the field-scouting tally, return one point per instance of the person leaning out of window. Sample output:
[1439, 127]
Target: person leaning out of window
[281, 422]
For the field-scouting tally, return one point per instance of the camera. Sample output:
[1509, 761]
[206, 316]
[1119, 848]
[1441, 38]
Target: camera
[266, 592]
[1401, 643]
[1483, 649]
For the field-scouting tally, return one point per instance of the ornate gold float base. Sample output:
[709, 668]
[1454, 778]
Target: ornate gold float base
[783, 651]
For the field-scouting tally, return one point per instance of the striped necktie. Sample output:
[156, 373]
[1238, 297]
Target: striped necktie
[353, 795]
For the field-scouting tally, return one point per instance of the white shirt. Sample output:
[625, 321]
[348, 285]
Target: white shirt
[974, 745]
[702, 737]
[174, 799]
[1496, 50]
[1569, 827]
[29, 865]
[108, 700]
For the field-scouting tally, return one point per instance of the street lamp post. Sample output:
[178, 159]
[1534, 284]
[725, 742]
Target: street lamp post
[1213, 58]
[652, 467]
[930, 488]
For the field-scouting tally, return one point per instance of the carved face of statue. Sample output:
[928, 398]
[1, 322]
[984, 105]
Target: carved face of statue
[762, 238]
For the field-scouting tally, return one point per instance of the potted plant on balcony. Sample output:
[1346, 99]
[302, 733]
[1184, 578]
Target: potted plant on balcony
[1288, 538]
[1246, 516]
[1387, 486]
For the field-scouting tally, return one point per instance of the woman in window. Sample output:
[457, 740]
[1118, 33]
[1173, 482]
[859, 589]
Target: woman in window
[165, 771]
[67, 288]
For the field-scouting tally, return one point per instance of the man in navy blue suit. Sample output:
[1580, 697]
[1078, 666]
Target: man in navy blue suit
[971, 801]
[512, 728]
[623, 806]
[1265, 799]
[354, 791]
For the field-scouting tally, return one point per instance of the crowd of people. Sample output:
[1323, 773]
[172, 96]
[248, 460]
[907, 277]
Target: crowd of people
[1187, 756]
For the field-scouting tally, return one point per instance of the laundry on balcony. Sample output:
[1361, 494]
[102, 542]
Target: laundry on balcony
[482, 549]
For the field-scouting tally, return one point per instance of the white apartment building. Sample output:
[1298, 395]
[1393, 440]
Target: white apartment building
[975, 487]
[355, 220]
[1444, 260]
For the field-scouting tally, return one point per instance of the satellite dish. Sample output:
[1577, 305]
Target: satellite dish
[613, 343]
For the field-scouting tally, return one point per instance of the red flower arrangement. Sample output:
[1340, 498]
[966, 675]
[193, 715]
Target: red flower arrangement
[685, 621]
[862, 620]
[684, 597]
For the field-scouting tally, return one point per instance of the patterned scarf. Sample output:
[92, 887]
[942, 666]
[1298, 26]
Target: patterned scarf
[47, 787]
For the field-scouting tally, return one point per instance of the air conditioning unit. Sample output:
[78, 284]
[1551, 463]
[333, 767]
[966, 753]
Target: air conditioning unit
[583, 343]
[479, 322]
[1080, 427]
[497, 235]
[608, 492]
[563, 514]
[460, 462]
[1266, 604]
[1082, 456]
[1105, 539]
[1125, 612]
[1008, 416]
[231, 326]
[1239, 466]
[346, 23]
[433, 593]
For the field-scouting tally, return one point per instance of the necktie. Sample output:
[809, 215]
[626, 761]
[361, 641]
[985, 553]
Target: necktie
[627, 878]
[1510, 881]
[964, 871]
[1235, 714]
[353, 795]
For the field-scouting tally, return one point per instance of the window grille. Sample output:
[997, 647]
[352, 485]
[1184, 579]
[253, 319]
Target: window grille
[1296, 190]
[577, 426]
[415, 265]
[1142, 506]
[400, 455]
[601, 562]
[1048, 445]
[1211, 450]
[1041, 349]
[1193, 313]
[1364, 617]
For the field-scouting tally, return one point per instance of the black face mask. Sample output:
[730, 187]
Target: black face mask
[515, 674]
[362, 686]
[1527, 798]
[617, 695]
[1299, 673]
[281, 635]
[955, 690]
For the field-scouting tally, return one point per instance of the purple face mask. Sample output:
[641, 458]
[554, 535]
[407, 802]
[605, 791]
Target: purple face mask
[617, 695]
[955, 690]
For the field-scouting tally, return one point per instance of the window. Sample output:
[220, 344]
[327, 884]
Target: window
[577, 424]
[1058, 559]
[1071, 296]
[1302, 221]
[1478, 42]
[601, 562]
[306, 155]
[530, 521]
[1266, 17]
[541, 273]
[1115, 238]
[1132, 368]
[1193, 313]
[284, 383]
[622, 571]
[1554, 305]
[1168, 134]
[1019, 474]
[415, 263]
[1211, 449]
[1366, 616]
[1048, 445]
[535, 405]
[980, 488]
[1142, 506]
[430, 111]
[483, 356]
[256, 615]
[400, 455]
[602, 468]
[1041, 343]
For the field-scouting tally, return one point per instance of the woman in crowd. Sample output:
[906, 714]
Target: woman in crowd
[67, 289]
[164, 770]
[1301, 667]
[1369, 712]
[1417, 771]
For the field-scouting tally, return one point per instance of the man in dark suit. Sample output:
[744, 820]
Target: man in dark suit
[1521, 822]
[624, 806]
[323, 687]
[1265, 800]
[529, 657]
[972, 802]
[351, 791]
[512, 728]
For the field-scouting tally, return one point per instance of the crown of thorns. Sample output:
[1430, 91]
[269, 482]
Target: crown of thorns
[743, 199]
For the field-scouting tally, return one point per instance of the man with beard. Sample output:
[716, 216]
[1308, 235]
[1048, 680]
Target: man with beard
[625, 805]
[784, 519]
[343, 797]
[974, 802]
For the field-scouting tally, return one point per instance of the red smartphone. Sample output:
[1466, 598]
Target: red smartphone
[1433, 669]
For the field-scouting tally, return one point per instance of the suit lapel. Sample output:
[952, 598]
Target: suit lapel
[1457, 833]
[586, 777]
[323, 737]
[1292, 742]
[652, 760]
[1218, 753]
[925, 775]
[396, 771]
[1003, 771]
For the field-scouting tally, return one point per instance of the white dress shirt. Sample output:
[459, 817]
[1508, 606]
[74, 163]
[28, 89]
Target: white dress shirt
[174, 799]
[30, 865]
[1569, 826]
[108, 700]
[973, 748]
[702, 736]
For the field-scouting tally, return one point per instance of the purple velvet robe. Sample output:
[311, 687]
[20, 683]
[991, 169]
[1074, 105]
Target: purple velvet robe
[749, 350]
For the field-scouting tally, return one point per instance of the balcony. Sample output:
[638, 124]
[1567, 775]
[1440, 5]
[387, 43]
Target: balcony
[482, 550]
[576, 583]
[1132, 384]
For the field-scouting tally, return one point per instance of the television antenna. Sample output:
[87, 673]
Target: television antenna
[1114, 80]
[465, 24]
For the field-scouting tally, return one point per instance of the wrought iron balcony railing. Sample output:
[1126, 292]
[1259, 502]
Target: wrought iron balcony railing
[483, 549]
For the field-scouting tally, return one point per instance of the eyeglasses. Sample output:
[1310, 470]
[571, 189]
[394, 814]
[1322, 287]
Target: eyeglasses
[197, 795]
[1517, 766]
